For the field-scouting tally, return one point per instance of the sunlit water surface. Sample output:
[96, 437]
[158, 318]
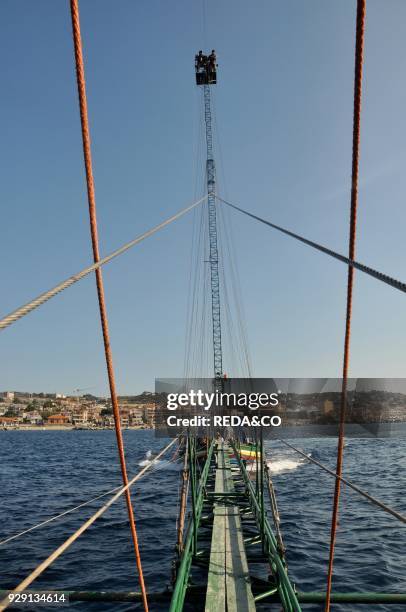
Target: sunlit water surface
[44, 473]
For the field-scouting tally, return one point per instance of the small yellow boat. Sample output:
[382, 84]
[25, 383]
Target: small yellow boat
[249, 453]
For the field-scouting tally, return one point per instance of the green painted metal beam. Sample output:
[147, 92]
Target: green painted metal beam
[315, 597]
[182, 580]
[228, 581]
[358, 598]
[287, 591]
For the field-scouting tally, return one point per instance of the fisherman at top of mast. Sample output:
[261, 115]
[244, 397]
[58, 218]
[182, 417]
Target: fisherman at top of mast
[201, 59]
[205, 67]
[211, 67]
[212, 60]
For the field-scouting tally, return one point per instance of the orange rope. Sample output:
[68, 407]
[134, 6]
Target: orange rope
[359, 51]
[80, 75]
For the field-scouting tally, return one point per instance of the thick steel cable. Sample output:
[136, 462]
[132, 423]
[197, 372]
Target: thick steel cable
[21, 312]
[80, 76]
[373, 500]
[384, 278]
[61, 549]
[359, 51]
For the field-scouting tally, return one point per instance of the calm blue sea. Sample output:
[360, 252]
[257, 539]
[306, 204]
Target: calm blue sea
[43, 473]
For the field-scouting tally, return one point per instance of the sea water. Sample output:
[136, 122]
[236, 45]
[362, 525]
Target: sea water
[44, 473]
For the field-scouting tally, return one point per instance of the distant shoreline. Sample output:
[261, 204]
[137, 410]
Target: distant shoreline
[66, 428]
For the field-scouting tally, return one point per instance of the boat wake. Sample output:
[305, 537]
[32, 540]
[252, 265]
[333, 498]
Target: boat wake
[284, 465]
[149, 459]
[280, 465]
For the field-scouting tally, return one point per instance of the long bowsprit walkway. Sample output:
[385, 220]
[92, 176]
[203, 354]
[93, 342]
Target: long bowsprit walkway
[228, 584]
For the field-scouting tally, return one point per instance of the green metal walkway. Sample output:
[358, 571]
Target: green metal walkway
[228, 583]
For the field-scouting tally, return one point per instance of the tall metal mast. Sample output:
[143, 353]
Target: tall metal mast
[206, 76]
[213, 258]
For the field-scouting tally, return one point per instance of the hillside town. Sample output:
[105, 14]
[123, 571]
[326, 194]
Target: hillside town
[23, 410]
[324, 408]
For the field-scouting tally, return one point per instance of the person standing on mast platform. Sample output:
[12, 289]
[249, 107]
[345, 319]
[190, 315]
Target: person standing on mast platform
[212, 60]
[205, 67]
[211, 67]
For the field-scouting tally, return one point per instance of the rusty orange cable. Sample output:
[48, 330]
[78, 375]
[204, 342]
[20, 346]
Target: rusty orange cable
[80, 75]
[359, 52]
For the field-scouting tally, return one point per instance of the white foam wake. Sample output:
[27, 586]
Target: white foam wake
[145, 462]
[283, 465]
[149, 458]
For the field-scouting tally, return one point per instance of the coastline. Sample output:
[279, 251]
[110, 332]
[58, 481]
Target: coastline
[66, 428]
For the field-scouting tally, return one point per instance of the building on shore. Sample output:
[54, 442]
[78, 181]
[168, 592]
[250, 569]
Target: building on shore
[8, 395]
[57, 419]
[8, 421]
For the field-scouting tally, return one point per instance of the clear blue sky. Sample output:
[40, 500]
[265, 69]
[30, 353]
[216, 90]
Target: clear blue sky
[284, 109]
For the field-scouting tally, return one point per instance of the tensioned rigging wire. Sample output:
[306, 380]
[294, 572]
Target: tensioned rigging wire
[349, 484]
[44, 297]
[100, 286]
[91, 198]
[233, 359]
[232, 341]
[196, 279]
[233, 346]
[196, 156]
[190, 301]
[190, 311]
[241, 317]
[204, 21]
[359, 51]
[197, 355]
[65, 545]
[203, 348]
[197, 219]
[234, 307]
[384, 278]
[195, 271]
[227, 228]
[219, 148]
[198, 338]
[232, 356]
[235, 355]
[231, 272]
[200, 362]
[196, 341]
[237, 291]
[153, 469]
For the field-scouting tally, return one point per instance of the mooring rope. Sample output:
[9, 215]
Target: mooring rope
[359, 50]
[63, 547]
[91, 197]
[351, 485]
